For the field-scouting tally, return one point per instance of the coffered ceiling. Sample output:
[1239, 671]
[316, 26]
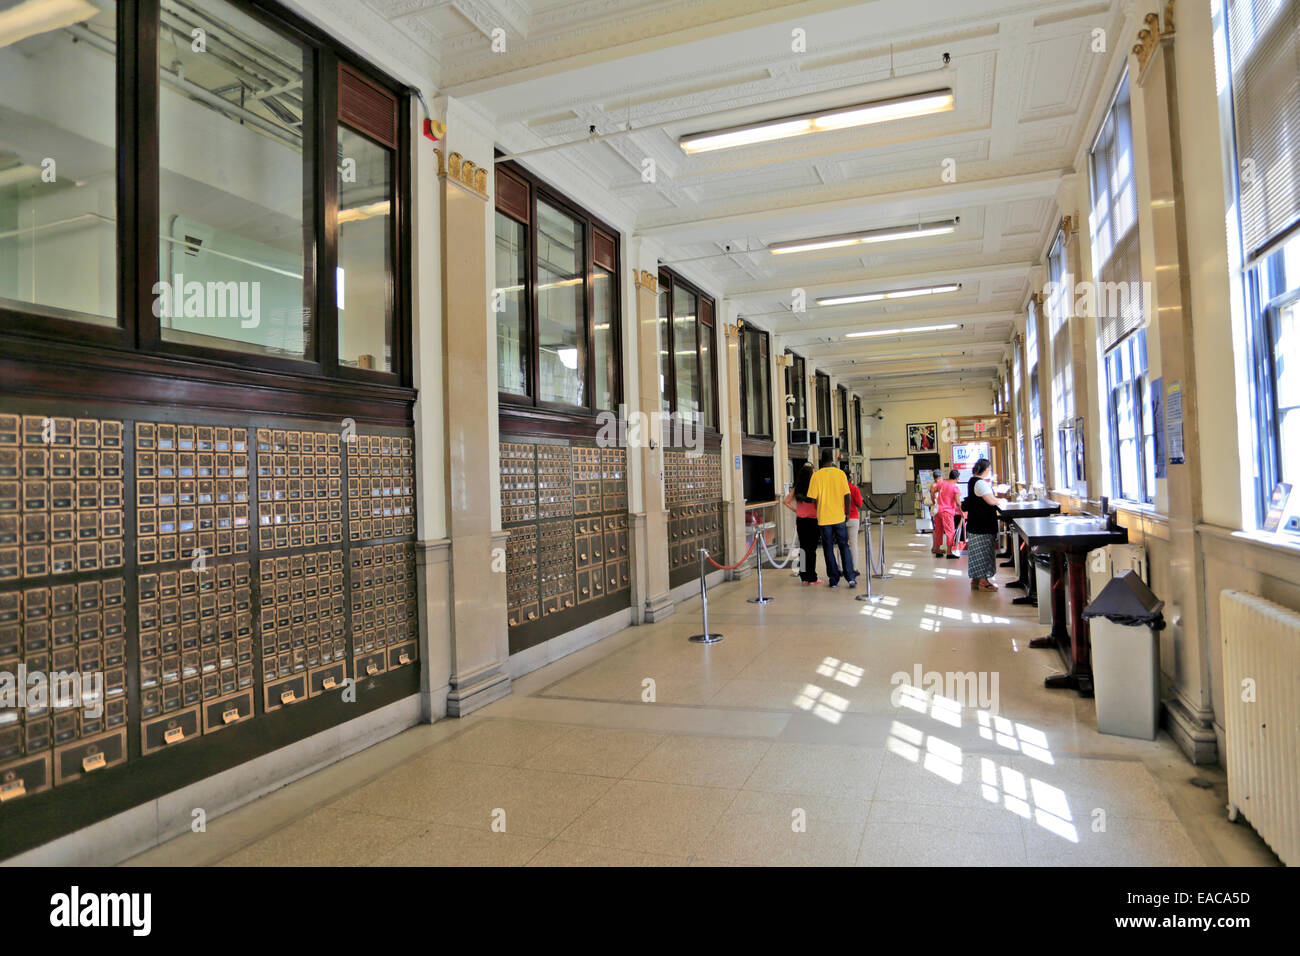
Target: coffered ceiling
[604, 89]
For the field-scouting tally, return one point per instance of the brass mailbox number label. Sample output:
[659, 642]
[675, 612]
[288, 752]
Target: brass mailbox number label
[328, 683]
[93, 762]
[371, 668]
[231, 715]
[12, 788]
[286, 697]
[404, 658]
[174, 735]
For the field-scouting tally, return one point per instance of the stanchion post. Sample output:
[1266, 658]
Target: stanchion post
[706, 637]
[866, 548]
[758, 558]
[882, 575]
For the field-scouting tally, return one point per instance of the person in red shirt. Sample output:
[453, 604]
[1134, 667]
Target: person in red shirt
[805, 513]
[854, 520]
[946, 496]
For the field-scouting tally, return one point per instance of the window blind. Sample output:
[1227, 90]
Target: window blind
[1264, 48]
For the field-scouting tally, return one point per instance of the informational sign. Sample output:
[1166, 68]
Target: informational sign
[964, 456]
[1277, 506]
[981, 427]
[1174, 423]
[1158, 420]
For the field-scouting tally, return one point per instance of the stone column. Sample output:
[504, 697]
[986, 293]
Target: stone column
[477, 604]
[649, 528]
[1189, 709]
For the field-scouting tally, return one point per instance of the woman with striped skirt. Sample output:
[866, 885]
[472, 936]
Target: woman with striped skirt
[981, 507]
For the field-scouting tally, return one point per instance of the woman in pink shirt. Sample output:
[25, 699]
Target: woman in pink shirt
[805, 512]
[947, 505]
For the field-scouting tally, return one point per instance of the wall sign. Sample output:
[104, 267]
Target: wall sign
[1158, 421]
[1174, 423]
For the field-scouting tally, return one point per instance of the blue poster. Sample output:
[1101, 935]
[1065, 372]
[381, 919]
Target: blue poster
[1158, 422]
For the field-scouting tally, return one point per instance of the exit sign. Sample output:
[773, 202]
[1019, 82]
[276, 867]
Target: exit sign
[980, 426]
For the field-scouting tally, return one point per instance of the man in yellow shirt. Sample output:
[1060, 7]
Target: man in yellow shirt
[830, 489]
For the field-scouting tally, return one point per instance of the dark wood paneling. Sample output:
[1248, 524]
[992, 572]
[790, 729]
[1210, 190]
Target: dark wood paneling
[95, 375]
[512, 195]
[366, 107]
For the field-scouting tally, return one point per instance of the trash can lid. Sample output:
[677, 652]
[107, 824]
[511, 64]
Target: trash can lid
[1127, 600]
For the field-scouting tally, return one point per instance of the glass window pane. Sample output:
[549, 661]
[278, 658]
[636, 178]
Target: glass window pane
[231, 196]
[603, 327]
[364, 277]
[686, 358]
[58, 188]
[665, 351]
[561, 339]
[512, 316]
[708, 359]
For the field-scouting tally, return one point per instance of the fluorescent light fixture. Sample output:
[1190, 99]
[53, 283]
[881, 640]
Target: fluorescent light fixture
[891, 234]
[866, 114]
[338, 282]
[41, 16]
[568, 357]
[359, 213]
[915, 328]
[891, 294]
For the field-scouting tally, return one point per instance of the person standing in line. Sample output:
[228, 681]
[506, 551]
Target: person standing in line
[946, 496]
[830, 489]
[981, 507]
[805, 524]
[854, 522]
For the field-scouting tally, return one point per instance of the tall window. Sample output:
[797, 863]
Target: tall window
[825, 426]
[688, 372]
[796, 386]
[842, 394]
[1263, 56]
[1058, 323]
[1133, 467]
[755, 383]
[254, 198]
[1018, 409]
[556, 299]
[857, 425]
[58, 176]
[1035, 406]
[1119, 303]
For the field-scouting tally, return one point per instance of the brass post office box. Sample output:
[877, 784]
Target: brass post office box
[24, 777]
[89, 756]
[220, 714]
[169, 730]
[285, 691]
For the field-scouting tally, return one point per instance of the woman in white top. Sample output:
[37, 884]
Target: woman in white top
[981, 507]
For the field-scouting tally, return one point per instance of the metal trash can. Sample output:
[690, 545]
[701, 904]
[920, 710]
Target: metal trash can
[1124, 621]
[1043, 582]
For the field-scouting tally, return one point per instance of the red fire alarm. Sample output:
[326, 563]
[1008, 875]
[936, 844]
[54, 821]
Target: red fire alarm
[435, 129]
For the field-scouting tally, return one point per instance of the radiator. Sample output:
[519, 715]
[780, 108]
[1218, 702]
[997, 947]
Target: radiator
[1261, 643]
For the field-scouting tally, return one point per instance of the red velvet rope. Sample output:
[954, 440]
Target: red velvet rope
[730, 567]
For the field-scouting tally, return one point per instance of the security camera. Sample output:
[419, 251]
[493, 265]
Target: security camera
[947, 58]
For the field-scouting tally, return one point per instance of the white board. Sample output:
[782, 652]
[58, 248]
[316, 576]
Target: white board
[888, 476]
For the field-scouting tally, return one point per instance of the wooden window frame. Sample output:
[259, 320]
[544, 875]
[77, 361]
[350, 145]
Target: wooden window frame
[136, 340]
[671, 281]
[747, 331]
[538, 189]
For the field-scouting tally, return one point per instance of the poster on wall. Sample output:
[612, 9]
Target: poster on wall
[922, 438]
[964, 456]
[1174, 423]
[1158, 423]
